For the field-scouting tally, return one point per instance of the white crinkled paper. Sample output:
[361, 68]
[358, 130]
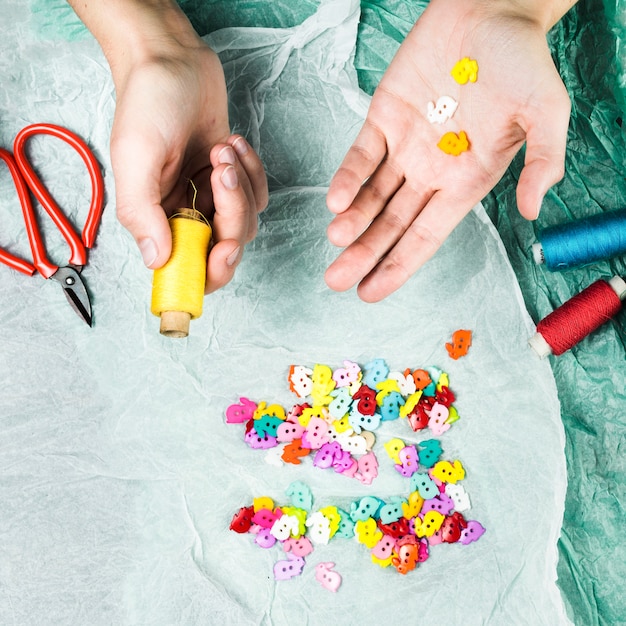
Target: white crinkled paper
[118, 474]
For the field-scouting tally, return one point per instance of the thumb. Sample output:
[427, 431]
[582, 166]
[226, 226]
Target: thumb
[137, 169]
[544, 164]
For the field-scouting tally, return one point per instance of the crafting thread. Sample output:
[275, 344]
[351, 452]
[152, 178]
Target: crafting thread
[585, 241]
[581, 315]
[179, 285]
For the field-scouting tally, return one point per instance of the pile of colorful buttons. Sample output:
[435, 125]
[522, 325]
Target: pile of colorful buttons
[339, 410]
[291, 526]
[398, 532]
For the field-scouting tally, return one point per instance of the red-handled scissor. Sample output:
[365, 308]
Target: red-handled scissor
[25, 179]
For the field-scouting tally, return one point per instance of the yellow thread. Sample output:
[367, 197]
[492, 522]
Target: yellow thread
[195, 194]
[179, 285]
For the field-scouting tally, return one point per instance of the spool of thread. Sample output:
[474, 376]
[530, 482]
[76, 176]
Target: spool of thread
[585, 241]
[178, 286]
[579, 317]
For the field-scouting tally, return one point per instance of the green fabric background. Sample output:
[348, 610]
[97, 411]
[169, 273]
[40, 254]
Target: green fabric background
[590, 379]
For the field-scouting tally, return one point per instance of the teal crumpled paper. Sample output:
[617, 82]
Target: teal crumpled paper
[118, 474]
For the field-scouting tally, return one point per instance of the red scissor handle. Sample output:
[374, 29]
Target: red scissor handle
[22, 193]
[77, 244]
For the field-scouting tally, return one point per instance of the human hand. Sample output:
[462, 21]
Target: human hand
[171, 127]
[415, 194]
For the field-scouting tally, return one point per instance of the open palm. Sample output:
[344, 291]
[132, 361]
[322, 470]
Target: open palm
[414, 194]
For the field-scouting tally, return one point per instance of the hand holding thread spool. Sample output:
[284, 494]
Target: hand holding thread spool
[579, 317]
[178, 286]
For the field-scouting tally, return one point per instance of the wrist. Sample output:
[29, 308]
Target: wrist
[136, 32]
[544, 13]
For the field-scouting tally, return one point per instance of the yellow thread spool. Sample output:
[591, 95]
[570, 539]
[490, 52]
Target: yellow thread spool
[178, 286]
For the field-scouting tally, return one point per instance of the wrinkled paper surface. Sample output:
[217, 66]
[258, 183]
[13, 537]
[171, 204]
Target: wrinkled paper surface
[118, 474]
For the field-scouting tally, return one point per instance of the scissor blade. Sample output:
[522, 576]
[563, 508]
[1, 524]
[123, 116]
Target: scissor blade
[75, 291]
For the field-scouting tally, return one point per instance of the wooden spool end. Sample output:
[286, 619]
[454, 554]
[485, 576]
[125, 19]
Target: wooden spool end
[175, 324]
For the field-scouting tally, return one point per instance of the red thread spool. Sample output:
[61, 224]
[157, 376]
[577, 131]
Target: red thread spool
[579, 317]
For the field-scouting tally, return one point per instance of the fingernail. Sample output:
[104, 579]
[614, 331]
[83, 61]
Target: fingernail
[226, 155]
[241, 146]
[231, 259]
[229, 178]
[538, 207]
[149, 251]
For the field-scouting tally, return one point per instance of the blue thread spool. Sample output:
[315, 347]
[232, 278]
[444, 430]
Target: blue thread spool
[585, 241]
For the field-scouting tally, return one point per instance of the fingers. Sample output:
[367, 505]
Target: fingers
[382, 271]
[370, 200]
[420, 242]
[239, 189]
[361, 161]
[240, 192]
[540, 172]
[362, 256]
[254, 169]
[138, 164]
[246, 172]
[544, 163]
[222, 262]
[233, 223]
